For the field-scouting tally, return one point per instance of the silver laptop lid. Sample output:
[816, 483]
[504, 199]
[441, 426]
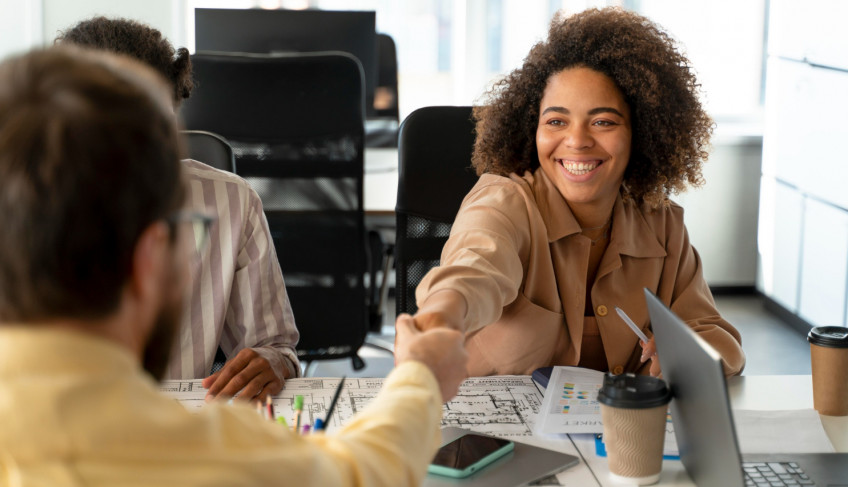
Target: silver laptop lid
[700, 408]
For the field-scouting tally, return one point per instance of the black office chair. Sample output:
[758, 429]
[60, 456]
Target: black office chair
[382, 128]
[434, 176]
[387, 78]
[296, 124]
[210, 149]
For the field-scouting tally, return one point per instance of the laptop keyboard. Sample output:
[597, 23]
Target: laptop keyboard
[775, 474]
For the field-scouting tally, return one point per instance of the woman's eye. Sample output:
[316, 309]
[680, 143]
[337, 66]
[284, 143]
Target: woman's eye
[604, 123]
[556, 123]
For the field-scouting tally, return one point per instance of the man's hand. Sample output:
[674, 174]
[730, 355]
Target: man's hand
[247, 372]
[442, 350]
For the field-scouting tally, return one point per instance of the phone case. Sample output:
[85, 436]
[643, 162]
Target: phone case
[455, 473]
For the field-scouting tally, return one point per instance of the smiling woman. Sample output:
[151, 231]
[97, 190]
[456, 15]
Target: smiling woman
[578, 151]
[583, 141]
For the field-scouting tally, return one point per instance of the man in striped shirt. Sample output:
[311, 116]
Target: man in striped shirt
[238, 298]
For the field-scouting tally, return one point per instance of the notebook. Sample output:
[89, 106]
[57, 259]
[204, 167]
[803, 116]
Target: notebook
[703, 423]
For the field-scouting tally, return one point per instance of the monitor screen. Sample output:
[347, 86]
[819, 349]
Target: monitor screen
[269, 31]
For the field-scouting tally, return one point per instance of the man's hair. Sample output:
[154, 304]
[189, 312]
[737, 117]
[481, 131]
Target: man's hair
[89, 158]
[138, 41]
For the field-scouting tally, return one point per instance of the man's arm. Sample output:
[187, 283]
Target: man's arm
[388, 443]
[259, 322]
[394, 438]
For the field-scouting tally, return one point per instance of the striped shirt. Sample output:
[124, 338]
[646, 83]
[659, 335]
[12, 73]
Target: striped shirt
[238, 297]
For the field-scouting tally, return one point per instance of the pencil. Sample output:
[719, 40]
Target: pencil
[333, 403]
[626, 319]
[270, 406]
[298, 409]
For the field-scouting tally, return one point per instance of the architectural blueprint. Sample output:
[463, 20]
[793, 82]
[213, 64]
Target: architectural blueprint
[499, 406]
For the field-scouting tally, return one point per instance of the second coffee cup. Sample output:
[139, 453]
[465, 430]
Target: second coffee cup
[633, 410]
[829, 360]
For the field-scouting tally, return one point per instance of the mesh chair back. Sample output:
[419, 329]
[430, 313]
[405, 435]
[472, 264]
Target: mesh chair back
[296, 124]
[435, 174]
[210, 149]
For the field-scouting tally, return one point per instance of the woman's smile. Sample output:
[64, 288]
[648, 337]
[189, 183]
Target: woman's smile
[579, 167]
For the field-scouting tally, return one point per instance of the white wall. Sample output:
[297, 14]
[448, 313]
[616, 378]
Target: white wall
[803, 242]
[30, 23]
[721, 216]
[20, 25]
[166, 15]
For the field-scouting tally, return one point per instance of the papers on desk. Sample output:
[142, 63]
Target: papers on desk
[793, 431]
[571, 406]
[571, 402]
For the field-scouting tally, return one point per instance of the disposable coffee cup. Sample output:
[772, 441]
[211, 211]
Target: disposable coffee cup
[633, 410]
[829, 356]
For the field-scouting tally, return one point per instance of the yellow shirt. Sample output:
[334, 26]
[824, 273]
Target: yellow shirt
[517, 256]
[80, 410]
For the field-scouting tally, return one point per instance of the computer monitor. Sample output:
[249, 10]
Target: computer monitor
[269, 31]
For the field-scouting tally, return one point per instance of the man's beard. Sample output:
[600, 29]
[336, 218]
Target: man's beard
[157, 351]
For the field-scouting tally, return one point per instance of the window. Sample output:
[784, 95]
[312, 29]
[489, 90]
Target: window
[451, 51]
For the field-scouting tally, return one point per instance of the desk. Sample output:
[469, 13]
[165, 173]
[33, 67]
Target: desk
[756, 392]
[769, 392]
[750, 392]
[380, 181]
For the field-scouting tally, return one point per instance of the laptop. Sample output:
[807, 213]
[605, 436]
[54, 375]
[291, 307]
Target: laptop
[703, 424]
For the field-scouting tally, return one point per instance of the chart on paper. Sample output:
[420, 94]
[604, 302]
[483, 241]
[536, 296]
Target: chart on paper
[499, 406]
[571, 402]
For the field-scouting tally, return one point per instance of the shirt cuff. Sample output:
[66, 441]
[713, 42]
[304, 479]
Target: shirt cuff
[283, 362]
[414, 371]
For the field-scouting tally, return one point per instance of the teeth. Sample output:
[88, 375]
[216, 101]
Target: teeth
[578, 168]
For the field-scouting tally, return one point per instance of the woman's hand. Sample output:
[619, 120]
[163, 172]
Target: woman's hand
[649, 351]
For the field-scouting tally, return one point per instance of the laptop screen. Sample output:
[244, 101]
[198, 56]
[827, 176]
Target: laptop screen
[700, 408]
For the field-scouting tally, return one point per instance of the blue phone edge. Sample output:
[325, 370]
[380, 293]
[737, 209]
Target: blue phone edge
[474, 467]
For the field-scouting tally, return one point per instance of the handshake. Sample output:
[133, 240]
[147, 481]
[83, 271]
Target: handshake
[442, 350]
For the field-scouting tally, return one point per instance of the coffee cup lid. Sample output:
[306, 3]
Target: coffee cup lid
[829, 336]
[633, 391]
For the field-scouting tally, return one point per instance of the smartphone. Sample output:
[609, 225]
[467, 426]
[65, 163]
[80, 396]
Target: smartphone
[468, 454]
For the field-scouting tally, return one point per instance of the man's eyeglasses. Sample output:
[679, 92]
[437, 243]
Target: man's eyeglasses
[200, 224]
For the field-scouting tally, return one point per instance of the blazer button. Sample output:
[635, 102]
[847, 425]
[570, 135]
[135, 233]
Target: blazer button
[601, 311]
[617, 370]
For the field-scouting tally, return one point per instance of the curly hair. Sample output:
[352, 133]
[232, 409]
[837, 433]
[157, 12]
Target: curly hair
[671, 130]
[139, 41]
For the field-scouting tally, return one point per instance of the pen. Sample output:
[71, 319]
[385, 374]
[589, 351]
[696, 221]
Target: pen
[323, 425]
[298, 409]
[632, 325]
[270, 406]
